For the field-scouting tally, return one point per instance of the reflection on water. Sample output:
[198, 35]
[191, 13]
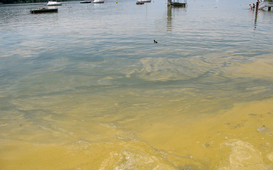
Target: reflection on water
[173, 12]
[86, 88]
[169, 18]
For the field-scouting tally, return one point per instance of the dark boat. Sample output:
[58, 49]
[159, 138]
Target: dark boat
[43, 10]
[178, 4]
[85, 2]
[139, 2]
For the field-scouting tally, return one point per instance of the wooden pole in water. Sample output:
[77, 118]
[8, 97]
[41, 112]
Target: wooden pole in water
[257, 8]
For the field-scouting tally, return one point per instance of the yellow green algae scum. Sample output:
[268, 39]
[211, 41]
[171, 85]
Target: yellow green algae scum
[133, 129]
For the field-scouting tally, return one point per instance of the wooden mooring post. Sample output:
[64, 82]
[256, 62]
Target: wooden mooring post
[257, 8]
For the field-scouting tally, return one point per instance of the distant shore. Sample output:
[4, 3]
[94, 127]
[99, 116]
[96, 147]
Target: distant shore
[26, 1]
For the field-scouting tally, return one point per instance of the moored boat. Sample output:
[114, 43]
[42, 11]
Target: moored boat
[53, 3]
[139, 2]
[98, 1]
[85, 2]
[178, 4]
[43, 10]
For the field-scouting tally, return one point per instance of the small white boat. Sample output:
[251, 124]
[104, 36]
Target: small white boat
[53, 3]
[98, 1]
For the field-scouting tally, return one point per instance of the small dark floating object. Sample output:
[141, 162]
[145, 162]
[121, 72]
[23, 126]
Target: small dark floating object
[139, 2]
[43, 10]
[155, 41]
[85, 2]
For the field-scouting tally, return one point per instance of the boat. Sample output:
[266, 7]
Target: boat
[53, 3]
[85, 2]
[146, 1]
[139, 2]
[98, 1]
[43, 10]
[178, 4]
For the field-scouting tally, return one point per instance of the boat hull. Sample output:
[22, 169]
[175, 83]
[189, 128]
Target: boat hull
[139, 2]
[85, 2]
[177, 4]
[53, 3]
[43, 10]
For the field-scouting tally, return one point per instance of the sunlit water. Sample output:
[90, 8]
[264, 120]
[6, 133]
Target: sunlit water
[87, 88]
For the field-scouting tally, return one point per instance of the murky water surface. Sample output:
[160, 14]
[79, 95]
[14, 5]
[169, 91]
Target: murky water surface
[87, 88]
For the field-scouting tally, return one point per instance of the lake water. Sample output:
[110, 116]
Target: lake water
[87, 88]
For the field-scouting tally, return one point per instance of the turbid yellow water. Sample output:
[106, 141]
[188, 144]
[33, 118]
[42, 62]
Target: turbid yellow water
[154, 138]
[87, 89]
[171, 129]
[132, 128]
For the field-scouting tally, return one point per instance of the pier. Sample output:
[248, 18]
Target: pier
[261, 6]
[265, 5]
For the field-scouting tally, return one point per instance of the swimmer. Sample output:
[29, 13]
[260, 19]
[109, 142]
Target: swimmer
[250, 6]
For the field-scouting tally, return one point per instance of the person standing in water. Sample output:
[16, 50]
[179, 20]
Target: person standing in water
[250, 6]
